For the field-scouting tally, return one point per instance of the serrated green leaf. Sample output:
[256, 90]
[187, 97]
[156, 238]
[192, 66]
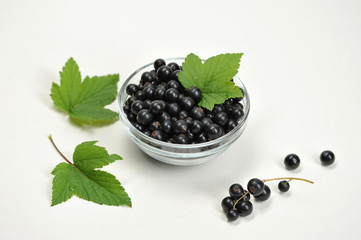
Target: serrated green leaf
[81, 178]
[85, 100]
[212, 78]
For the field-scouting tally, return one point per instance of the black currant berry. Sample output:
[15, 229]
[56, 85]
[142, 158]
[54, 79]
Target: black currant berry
[137, 106]
[181, 139]
[172, 109]
[227, 203]
[221, 118]
[173, 84]
[147, 77]
[131, 89]
[171, 95]
[201, 138]
[130, 101]
[206, 122]
[157, 134]
[156, 107]
[236, 113]
[327, 158]
[284, 186]
[292, 161]
[196, 126]
[186, 103]
[139, 95]
[244, 208]
[255, 186]
[218, 108]
[159, 92]
[266, 193]
[231, 124]
[214, 131]
[236, 190]
[164, 73]
[145, 116]
[175, 75]
[180, 126]
[164, 117]
[232, 215]
[174, 66]
[149, 91]
[182, 114]
[155, 125]
[166, 126]
[158, 63]
[197, 113]
[195, 94]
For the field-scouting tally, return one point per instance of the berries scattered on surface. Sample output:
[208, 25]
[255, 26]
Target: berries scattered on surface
[327, 158]
[238, 204]
[292, 161]
[159, 101]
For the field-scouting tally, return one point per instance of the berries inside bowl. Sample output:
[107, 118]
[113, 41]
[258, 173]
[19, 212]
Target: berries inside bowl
[163, 118]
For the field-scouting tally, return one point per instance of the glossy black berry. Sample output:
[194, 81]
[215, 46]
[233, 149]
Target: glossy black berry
[166, 126]
[180, 126]
[139, 126]
[206, 122]
[231, 124]
[174, 66]
[227, 203]
[145, 116]
[131, 117]
[266, 193]
[327, 157]
[175, 75]
[173, 84]
[255, 186]
[236, 113]
[284, 186]
[197, 113]
[147, 77]
[171, 95]
[232, 215]
[196, 127]
[147, 103]
[188, 120]
[164, 73]
[126, 108]
[173, 109]
[218, 108]
[158, 63]
[156, 107]
[164, 117]
[214, 131]
[159, 92]
[186, 103]
[155, 125]
[183, 114]
[236, 190]
[147, 132]
[130, 101]
[292, 161]
[131, 89]
[195, 94]
[149, 91]
[137, 106]
[244, 208]
[157, 134]
[221, 118]
[201, 138]
[139, 95]
[181, 139]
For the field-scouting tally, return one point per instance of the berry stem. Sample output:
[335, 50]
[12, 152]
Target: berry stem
[239, 199]
[289, 179]
[57, 149]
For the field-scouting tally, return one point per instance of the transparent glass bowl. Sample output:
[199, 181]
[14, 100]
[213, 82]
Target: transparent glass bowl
[179, 154]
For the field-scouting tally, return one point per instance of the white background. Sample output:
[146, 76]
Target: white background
[301, 67]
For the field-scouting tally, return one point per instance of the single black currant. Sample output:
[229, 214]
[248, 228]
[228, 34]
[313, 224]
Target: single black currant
[147, 77]
[236, 113]
[221, 118]
[232, 215]
[149, 91]
[156, 107]
[145, 116]
[137, 106]
[180, 126]
[292, 161]
[131, 89]
[201, 138]
[183, 114]
[284, 186]
[197, 113]
[139, 95]
[164, 117]
[173, 84]
[171, 95]
[174, 66]
[214, 131]
[186, 103]
[206, 122]
[218, 108]
[181, 139]
[164, 73]
[159, 92]
[166, 126]
[157, 134]
[244, 208]
[231, 124]
[327, 157]
[255, 186]
[266, 193]
[195, 94]
[236, 190]
[175, 75]
[173, 108]
[196, 127]
[227, 203]
[154, 125]
[158, 63]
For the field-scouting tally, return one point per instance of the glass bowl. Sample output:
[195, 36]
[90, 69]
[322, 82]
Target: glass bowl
[179, 154]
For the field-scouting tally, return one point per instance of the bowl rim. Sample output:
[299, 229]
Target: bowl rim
[121, 98]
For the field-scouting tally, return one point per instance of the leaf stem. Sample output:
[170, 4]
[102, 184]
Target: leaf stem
[57, 149]
[289, 179]
[239, 199]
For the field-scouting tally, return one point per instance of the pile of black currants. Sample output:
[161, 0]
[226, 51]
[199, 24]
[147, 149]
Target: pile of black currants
[160, 107]
[238, 202]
